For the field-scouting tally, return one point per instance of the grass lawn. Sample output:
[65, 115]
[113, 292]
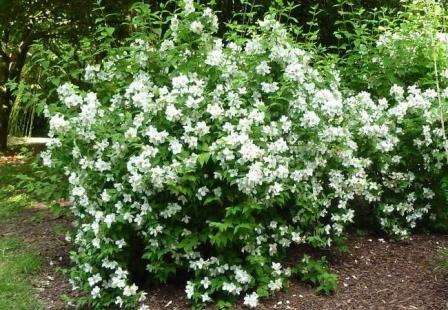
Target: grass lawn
[18, 261]
[18, 264]
[23, 258]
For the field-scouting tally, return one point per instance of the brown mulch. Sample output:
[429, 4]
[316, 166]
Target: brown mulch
[379, 275]
[375, 274]
[11, 159]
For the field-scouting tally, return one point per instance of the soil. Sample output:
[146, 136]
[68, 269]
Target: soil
[374, 274]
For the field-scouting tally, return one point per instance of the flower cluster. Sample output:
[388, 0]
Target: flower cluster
[216, 157]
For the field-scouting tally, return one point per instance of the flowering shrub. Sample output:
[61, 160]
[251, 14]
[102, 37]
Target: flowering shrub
[408, 48]
[396, 48]
[407, 157]
[190, 153]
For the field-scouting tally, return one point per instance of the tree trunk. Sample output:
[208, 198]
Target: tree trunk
[13, 70]
[4, 120]
[5, 113]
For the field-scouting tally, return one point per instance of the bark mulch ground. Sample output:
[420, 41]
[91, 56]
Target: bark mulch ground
[375, 274]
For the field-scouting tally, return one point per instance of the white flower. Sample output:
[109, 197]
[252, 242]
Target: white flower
[105, 196]
[94, 279]
[102, 166]
[68, 96]
[253, 47]
[166, 45]
[263, 68]
[96, 242]
[250, 151]
[202, 128]
[215, 110]
[78, 191]
[95, 292]
[188, 6]
[445, 74]
[120, 243]
[310, 119]
[269, 87]
[131, 133]
[272, 249]
[172, 113]
[109, 219]
[231, 288]
[58, 124]
[255, 174]
[205, 282]
[205, 298]
[175, 146]
[215, 57]
[330, 103]
[189, 289]
[154, 136]
[251, 300]
[130, 290]
[46, 158]
[275, 285]
[196, 27]
[297, 238]
[295, 71]
[179, 82]
[397, 91]
[202, 192]
[242, 276]
[442, 37]
[119, 301]
[91, 71]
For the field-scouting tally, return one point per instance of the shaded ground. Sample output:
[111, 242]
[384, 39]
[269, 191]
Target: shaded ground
[375, 274]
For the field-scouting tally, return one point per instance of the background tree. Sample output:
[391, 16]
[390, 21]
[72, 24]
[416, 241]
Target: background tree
[51, 23]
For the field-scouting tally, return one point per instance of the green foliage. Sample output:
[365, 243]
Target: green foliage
[318, 273]
[389, 46]
[22, 183]
[26, 183]
[385, 48]
[27, 28]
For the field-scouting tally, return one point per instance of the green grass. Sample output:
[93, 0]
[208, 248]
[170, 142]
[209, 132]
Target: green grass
[19, 261]
[17, 266]
[12, 199]
[11, 204]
